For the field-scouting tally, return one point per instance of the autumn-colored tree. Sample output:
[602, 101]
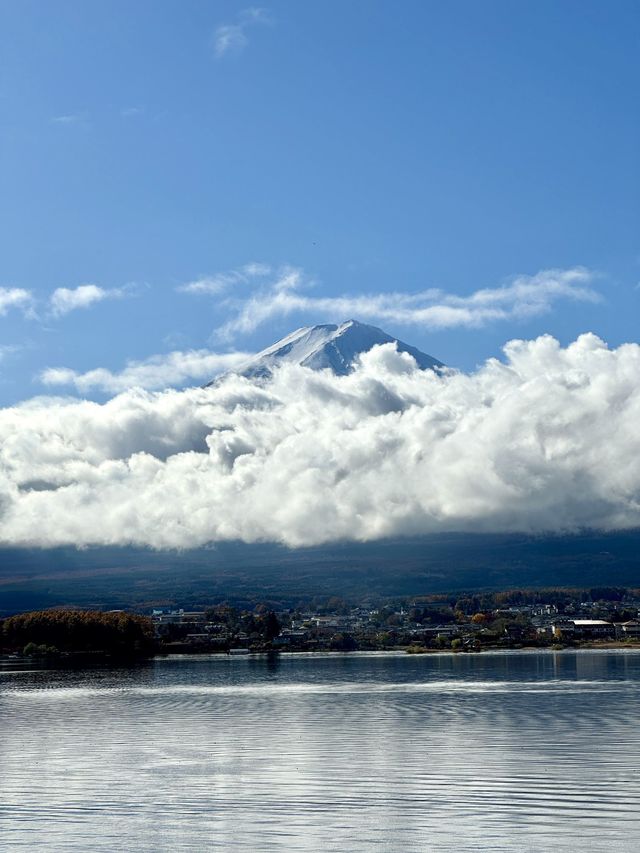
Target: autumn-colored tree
[115, 633]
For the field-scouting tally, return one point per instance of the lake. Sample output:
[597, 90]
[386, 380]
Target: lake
[517, 751]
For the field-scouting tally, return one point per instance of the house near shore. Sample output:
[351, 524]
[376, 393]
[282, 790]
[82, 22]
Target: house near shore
[178, 617]
[629, 629]
[583, 629]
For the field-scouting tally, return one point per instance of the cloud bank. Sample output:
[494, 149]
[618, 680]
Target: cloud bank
[546, 440]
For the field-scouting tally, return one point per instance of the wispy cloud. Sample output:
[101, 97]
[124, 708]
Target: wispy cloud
[131, 112]
[9, 349]
[158, 371]
[220, 282]
[70, 119]
[63, 300]
[15, 298]
[232, 38]
[287, 293]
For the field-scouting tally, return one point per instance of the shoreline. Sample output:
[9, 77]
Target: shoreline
[6, 661]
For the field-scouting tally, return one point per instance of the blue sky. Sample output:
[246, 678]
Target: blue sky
[212, 175]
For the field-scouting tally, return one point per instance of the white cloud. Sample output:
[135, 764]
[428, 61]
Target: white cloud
[547, 440]
[158, 371]
[524, 297]
[232, 38]
[62, 300]
[66, 299]
[220, 282]
[15, 297]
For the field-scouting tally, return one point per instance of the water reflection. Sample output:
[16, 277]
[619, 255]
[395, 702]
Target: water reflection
[355, 752]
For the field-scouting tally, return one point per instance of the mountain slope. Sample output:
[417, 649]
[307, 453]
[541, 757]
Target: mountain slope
[328, 346]
[247, 574]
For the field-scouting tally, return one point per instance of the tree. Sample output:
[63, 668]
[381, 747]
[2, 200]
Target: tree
[343, 643]
[80, 631]
[271, 626]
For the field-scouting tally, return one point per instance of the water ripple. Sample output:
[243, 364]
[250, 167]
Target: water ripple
[346, 753]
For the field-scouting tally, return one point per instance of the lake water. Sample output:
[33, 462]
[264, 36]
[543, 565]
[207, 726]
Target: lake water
[513, 751]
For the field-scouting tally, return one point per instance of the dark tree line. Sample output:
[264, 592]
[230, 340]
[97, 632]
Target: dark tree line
[64, 631]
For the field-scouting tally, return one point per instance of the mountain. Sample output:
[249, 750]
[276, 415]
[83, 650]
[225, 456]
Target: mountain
[328, 346]
[246, 574]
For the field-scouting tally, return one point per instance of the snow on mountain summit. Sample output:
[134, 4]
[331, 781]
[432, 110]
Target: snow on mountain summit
[336, 347]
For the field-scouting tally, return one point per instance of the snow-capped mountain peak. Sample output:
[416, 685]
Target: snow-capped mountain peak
[332, 346]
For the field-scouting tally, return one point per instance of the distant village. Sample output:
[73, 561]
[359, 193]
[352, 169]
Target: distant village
[513, 619]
